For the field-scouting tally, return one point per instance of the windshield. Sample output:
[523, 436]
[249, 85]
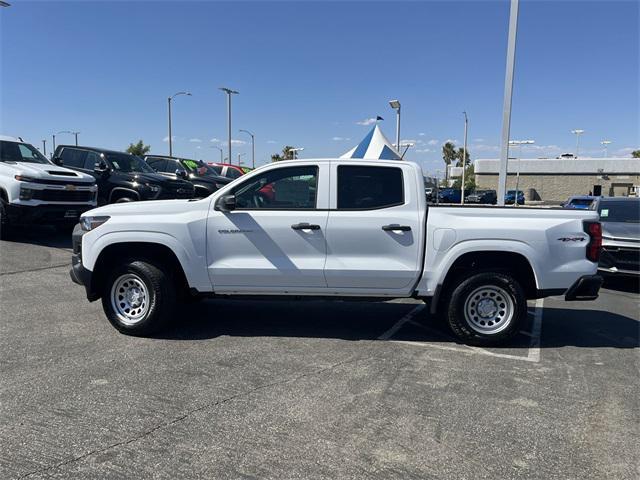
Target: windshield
[123, 162]
[581, 202]
[198, 168]
[20, 152]
[620, 211]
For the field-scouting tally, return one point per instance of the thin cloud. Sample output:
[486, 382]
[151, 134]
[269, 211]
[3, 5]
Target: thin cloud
[195, 140]
[215, 140]
[433, 142]
[367, 121]
[271, 141]
[340, 139]
[166, 139]
[421, 134]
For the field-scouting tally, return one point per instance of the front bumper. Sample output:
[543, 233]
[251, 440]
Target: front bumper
[78, 273]
[45, 214]
[585, 288]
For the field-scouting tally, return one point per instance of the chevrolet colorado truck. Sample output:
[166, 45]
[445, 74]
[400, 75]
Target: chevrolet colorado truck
[335, 228]
[34, 190]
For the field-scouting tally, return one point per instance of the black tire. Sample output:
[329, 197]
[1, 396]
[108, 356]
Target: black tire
[158, 293]
[503, 305]
[5, 228]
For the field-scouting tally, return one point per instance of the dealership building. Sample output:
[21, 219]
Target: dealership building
[556, 179]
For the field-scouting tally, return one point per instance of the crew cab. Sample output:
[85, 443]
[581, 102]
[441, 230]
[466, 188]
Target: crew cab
[335, 228]
[121, 177]
[34, 190]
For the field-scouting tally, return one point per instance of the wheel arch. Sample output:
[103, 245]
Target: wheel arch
[120, 191]
[155, 253]
[514, 263]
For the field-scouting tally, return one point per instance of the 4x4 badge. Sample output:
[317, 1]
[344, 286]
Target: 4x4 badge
[571, 239]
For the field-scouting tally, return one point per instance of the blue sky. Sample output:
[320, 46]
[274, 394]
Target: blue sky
[308, 72]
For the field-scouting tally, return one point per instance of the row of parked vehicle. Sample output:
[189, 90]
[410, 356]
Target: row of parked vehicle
[34, 189]
[488, 197]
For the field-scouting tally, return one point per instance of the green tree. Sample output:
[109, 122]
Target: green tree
[635, 154]
[287, 154]
[449, 154]
[459, 157]
[139, 149]
[469, 179]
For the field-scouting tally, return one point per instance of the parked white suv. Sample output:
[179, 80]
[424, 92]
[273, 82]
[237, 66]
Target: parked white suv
[335, 228]
[35, 190]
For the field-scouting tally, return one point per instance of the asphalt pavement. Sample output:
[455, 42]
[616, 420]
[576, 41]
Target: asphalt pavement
[316, 389]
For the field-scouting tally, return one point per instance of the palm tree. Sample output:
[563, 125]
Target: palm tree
[449, 154]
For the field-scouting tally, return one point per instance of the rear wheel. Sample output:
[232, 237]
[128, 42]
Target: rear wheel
[138, 298]
[487, 308]
[4, 221]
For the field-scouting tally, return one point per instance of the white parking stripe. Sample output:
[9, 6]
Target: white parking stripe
[392, 331]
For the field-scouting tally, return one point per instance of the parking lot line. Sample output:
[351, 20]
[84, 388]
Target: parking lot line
[533, 353]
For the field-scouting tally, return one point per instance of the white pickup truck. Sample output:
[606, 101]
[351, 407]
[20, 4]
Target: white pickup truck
[335, 228]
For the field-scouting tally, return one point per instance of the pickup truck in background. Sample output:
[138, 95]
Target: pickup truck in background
[335, 228]
[34, 190]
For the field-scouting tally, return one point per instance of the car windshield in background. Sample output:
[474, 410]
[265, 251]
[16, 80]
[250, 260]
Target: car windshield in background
[20, 152]
[581, 202]
[620, 211]
[198, 168]
[122, 162]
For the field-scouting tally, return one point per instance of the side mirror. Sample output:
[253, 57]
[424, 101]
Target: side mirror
[181, 174]
[100, 168]
[226, 203]
[58, 161]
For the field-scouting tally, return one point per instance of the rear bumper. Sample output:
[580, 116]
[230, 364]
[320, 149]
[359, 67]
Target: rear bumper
[585, 288]
[45, 214]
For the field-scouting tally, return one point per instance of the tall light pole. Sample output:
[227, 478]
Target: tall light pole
[506, 108]
[606, 144]
[253, 147]
[240, 155]
[76, 135]
[229, 92]
[54, 138]
[213, 146]
[169, 99]
[464, 157]
[519, 143]
[44, 147]
[395, 104]
[577, 132]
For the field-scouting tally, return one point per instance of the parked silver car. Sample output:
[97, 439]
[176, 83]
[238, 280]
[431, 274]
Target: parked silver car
[620, 218]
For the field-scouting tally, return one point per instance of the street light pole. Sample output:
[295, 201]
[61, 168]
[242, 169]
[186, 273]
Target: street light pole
[606, 144]
[519, 143]
[395, 104]
[76, 135]
[253, 148]
[229, 92]
[169, 99]
[464, 157]
[294, 151]
[44, 147]
[240, 155]
[54, 144]
[506, 109]
[577, 133]
[221, 160]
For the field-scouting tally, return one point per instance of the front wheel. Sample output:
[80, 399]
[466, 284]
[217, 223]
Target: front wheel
[487, 308]
[138, 298]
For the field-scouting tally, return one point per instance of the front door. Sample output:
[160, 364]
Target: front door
[374, 231]
[274, 240]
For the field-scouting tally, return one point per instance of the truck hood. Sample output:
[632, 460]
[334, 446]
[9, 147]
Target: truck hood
[47, 171]
[144, 208]
[621, 230]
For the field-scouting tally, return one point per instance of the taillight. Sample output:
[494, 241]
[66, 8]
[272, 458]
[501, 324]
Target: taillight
[594, 229]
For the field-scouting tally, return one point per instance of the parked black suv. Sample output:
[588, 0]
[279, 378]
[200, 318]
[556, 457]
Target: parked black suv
[204, 178]
[482, 196]
[121, 177]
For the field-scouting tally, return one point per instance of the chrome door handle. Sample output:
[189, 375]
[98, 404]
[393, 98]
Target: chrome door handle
[305, 226]
[392, 228]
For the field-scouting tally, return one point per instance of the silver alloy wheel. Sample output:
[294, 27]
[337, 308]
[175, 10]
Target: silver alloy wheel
[129, 298]
[489, 309]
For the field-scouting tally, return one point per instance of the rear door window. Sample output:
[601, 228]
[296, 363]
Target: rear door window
[368, 188]
[73, 158]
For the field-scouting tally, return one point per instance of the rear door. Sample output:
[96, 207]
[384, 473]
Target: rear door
[375, 228]
[274, 240]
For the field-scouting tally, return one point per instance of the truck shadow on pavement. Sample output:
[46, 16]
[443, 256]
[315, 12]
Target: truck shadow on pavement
[369, 321]
[44, 236]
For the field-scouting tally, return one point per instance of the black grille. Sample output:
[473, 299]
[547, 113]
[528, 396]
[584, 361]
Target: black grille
[179, 190]
[62, 196]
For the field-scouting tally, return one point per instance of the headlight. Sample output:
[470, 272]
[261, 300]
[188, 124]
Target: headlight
[23, 178]
[153, 188]
[90, 223]
[26, 193]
